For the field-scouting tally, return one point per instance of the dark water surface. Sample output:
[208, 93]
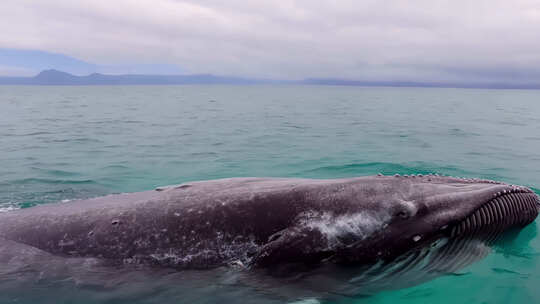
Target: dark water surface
[62, 143]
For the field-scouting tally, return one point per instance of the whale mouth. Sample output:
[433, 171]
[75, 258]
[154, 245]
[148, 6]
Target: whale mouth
[467, 241]
[498, 215]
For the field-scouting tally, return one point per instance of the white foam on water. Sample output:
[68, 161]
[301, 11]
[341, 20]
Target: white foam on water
[8, 208]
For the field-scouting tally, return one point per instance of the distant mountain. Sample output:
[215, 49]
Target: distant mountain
[55, 77]
[346, 82]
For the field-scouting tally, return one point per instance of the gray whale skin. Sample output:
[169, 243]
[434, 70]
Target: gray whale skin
[261, 222]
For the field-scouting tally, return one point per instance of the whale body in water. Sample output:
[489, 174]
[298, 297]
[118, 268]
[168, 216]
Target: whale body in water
[362, 228]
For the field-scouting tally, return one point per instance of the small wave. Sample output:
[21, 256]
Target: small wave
[372, 168]
[52, 181]
[55, 172]
[506, 271]
[203, 154]
[513, 123]
[77, 140]
[293, 126]
[54, 119]
[121, 167]
[34, 133]
[461, 132]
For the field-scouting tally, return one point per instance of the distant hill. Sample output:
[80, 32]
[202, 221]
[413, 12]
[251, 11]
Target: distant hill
[465, 85]
[55, 77]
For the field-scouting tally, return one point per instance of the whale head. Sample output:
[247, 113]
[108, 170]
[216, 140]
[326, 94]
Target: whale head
[426, 210]
[383, 218]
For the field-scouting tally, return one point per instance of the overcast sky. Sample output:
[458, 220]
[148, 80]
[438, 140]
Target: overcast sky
[469, 41]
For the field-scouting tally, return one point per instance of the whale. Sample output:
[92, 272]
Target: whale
[351, 229]
[273, 240]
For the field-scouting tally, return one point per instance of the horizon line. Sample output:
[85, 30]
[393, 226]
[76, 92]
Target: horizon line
[57, 77]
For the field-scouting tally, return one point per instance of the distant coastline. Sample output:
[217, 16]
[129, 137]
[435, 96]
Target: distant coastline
[55, 77]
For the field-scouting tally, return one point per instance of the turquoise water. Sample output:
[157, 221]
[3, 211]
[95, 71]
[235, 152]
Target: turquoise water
[59, 143]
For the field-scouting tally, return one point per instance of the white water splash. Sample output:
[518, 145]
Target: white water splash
[8, 208]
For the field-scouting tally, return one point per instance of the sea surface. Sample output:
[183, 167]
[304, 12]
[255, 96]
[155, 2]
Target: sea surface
[62, 143]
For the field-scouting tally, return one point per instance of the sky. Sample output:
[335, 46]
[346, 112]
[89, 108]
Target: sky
[426, 40]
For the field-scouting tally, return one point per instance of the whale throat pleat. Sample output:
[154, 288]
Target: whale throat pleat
[503, 212]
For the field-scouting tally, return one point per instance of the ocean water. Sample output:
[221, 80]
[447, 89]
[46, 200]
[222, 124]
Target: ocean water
[63, 143]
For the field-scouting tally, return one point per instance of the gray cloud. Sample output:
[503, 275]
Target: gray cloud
[476, 41]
